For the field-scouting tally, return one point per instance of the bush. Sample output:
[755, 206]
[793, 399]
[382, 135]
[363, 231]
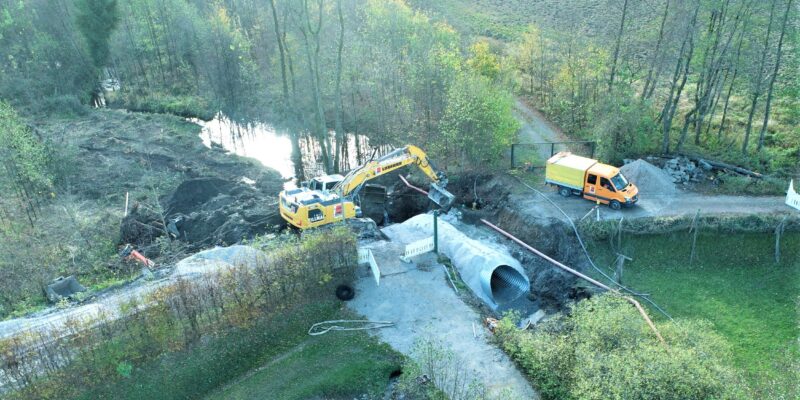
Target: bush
[188, 106]
[741, 185]
[604, 350]
[624, 130]
[183, 315]
[65, 105]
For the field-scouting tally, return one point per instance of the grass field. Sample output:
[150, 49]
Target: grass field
[274, 359]
[734, 283]
[337, 365]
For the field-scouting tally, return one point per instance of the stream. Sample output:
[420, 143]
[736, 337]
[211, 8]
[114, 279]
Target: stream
[273, 148]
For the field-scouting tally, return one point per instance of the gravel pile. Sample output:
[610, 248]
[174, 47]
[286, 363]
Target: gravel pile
[649, 178]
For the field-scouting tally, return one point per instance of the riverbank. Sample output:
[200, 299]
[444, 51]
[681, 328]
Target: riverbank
[104, 158]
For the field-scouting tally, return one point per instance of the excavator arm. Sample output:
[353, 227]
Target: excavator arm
[394, 160]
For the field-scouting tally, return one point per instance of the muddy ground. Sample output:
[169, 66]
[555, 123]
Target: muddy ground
[176, 185]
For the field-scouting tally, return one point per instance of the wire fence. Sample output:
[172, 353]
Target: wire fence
[534, 155]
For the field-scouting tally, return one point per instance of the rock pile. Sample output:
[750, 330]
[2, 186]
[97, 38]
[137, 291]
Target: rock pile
[649, 178]
[682, 170]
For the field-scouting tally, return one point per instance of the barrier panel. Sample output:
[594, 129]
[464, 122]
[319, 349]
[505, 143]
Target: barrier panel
[418, 247]
[792, 197]
[365, 256]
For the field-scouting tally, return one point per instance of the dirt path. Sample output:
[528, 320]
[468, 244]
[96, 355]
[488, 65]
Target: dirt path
[536, 128]
[650, 205]
[418, 298]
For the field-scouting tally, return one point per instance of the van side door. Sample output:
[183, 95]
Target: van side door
[590, 187]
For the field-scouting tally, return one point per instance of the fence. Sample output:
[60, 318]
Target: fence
[533, 155]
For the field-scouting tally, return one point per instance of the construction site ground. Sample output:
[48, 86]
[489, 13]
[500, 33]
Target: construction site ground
[423, 305]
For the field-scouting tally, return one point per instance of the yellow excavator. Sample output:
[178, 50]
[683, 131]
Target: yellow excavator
[331, 198]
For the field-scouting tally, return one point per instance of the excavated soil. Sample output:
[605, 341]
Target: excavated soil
[209, 196]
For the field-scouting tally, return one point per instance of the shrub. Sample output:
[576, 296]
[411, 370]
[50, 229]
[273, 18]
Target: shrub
[604, 350]
[182, 315]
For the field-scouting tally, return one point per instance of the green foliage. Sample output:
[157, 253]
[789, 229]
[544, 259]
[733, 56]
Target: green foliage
[624, 130]
[188, 106]
[742, 185]
[22, 151]
[735, 284]
[604, 350]
[188, 337]
[483, 61]
[97, 20]
[478, 113]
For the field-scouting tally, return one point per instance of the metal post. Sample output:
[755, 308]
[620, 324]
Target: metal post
[593, 145]
[436, 231]
[552, 148]
[512, 156]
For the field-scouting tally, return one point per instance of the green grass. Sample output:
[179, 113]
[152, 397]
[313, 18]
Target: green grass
[335, 365]
[299, 366]
[734, 283]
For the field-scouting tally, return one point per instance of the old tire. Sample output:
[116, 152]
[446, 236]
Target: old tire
[615, 205]
[345, 292]
[564, 191]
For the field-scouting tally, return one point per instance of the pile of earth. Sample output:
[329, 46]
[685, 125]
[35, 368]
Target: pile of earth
[206, 211]
[649, 178]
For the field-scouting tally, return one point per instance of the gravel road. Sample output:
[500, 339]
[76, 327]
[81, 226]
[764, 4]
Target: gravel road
[649, 205]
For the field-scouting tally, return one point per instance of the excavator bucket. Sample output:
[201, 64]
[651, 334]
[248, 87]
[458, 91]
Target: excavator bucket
[441, 196]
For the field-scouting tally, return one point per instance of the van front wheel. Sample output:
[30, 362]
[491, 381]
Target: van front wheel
[615, 205]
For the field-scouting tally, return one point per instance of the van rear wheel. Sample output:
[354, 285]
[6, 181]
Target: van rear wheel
[615, 205]
[564, 191]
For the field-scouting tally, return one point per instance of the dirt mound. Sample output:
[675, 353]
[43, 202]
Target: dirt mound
[202, 212]
[192, 193]
[649, 178]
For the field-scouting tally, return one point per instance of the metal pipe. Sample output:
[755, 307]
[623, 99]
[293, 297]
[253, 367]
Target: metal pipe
[580, 275]
[402, 178]
[489, 271]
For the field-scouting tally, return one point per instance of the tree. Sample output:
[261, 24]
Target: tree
[616, 46]
[774, 75]
[758, 78]
[97, 20]
[477, 113]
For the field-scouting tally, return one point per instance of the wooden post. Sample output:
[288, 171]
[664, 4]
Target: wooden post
[126, 203]
[694, 229]
[512, 156]
[621, 258]
[619, 234]
[778, 232]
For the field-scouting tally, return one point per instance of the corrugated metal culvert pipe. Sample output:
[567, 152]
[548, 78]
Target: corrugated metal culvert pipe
[491, 273]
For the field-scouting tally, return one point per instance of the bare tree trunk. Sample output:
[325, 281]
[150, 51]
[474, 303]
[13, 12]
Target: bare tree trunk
[759, 80]
[733, 81]
[774, 76]
[311, 33]
[340, 134]
[616, 46]
[651, 80]
[297, 157]
[671, 105]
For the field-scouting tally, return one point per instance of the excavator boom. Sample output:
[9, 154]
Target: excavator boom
[327, 201]
[394, 160]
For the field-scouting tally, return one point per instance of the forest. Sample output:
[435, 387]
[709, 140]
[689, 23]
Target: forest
[105, 112]
[706, 77]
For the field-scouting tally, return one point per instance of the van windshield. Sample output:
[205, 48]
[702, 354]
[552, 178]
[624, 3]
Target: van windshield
[619, 181]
